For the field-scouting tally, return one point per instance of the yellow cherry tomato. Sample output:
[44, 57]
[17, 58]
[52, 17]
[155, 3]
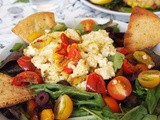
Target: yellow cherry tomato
[47, 114]
[100, 2]
[144, 58]
[63, 107]
[149, 78]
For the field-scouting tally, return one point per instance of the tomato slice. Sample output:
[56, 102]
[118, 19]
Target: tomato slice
[111, 103]
[25, 63]
[149, 78]
[88, 24]
[119, 88]
[95, 83]
[122, 50]
[62, 50]
[25, 77]
[63, 107]
[128, 68]
[140, 67]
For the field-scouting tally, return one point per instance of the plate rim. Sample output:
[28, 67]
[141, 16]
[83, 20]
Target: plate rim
[85, 2]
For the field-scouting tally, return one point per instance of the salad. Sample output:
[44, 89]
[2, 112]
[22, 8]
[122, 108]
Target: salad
[127, 5]
[86, 73]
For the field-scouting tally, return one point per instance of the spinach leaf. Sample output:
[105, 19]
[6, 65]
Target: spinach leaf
[153, 96]
[150, 117]
[17, 46]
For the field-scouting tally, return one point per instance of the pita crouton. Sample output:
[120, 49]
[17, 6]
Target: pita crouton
[143, 30]
[12, 95]
[37, 22]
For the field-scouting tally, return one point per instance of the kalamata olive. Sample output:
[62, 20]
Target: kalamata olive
[64, 82]
[42, 98]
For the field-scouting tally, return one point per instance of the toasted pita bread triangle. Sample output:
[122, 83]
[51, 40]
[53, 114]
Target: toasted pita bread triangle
[12, 95]
[143, 30]
[37, 22]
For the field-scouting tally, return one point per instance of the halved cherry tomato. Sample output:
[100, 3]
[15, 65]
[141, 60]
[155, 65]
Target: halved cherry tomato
[111, 103]
[25, 63]
[25, 77]
[74, 56]
[95, 83]
[128, 68]
[149, 78]
[122, 50]
[47, 114]
[88, 24]
[63, 107]
[119, 88]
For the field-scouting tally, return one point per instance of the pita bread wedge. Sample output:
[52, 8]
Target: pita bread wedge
[143, 30]
[12, 95]
[37, 22]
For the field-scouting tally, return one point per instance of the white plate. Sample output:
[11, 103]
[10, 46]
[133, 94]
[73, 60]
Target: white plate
[7, 42]
[118, 15]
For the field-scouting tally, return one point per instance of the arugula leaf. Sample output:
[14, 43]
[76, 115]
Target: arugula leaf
[25, 1]
[80, 28]
[136, 113]
[104, 114]
[117, 60]
[59, 27]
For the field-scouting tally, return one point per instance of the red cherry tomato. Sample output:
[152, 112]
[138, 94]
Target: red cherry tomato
[140, 67]
[111, 103]
[128, 68]
[95, 83]
[122, 50]
[25, 63]
[25, 77]
[119, 88]
[88, 24]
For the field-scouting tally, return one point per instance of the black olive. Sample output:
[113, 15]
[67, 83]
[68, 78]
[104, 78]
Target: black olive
[64, 82]
[42, 98]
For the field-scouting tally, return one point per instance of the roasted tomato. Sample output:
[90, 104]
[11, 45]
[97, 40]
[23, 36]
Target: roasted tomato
[95, 83]
[73, 56]
[25, 77]
[111, 103]
[63, 107]
[149, 78]
[88, 24]
[25, 63]
[119, 88]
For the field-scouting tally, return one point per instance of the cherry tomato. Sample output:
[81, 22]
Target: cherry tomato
[111, 103]
[128, 68]
[63, 107]
[149, 78]
[95, 83]
[88, 24]
[122, 50]
[74, 56]
[47, 114]
[26, 77]
[31, 105]
[140, 67]
[119, 88]
[25, 63]
[144, 58]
